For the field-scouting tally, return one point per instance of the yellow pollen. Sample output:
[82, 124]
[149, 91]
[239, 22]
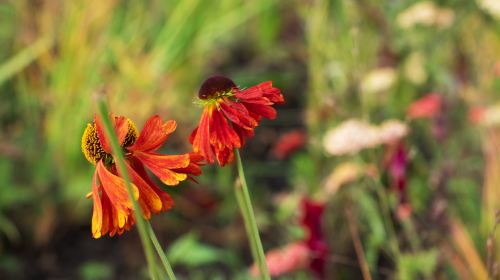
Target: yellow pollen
[92, 148]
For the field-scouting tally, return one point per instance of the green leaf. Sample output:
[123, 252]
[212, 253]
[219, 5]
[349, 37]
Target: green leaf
[421, 264]
[189, 251]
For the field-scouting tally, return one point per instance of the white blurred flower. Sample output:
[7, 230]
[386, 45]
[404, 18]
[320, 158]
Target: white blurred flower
[490, 6]
[425, 13]
[491, 116]
[378, 80]
[350, 137]
[391, 131]
[414, 68]
[353, 136]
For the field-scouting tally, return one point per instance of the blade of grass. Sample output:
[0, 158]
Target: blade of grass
[24, 58]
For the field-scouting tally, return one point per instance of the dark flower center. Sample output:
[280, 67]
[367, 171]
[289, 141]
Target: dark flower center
[92, 148]
[215, 86]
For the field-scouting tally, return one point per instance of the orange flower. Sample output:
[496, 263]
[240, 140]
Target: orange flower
[113, 209]
[230, 115]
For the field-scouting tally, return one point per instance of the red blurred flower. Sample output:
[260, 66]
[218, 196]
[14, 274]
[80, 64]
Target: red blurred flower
[288, 143]
[397, 165]
[476, 114]
[230, 115]
[425, 107]
[312, 221]
[113, 209]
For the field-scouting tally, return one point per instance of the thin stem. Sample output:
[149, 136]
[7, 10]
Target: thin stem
[120, 160]
[384, 201]
[161, 253]
[250, 223]
[244, 213]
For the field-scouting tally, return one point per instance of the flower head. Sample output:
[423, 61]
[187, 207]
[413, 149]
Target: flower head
[230, 115]
[425, 107]
[113, 209]
[289, 143]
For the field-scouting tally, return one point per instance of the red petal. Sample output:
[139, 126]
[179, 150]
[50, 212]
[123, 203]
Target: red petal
[261, 110]
[200, 138]
[162, 166]
[154, 133]
[238, 114]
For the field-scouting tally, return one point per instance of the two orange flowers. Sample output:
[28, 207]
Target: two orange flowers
[230, 115]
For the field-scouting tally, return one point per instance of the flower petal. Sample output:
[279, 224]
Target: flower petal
[149, 200]
[154, 133]
[162, 165]
[115, 189]
[97, 211]
[166, 200]
[200, 138]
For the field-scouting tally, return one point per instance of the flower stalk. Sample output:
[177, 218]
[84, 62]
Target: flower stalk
[120, 160]
[161, 253]
[245, 204]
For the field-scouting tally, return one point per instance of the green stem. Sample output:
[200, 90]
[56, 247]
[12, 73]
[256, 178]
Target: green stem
[250, 223]
[120, 160]
[161, 253]
[384, 201]
[244, 213]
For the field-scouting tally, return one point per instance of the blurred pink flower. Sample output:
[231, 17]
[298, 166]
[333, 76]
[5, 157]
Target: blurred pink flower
[289, 143]
[425, 107]
[292, 257]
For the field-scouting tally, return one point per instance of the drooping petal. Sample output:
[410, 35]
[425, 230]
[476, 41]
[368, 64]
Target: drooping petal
[149, 200]
[166, 200]
[195, 160]
[97, 215]
[200, 138]
[115, 189]
[262, 110]
[162, 165]
[238, 114]
[264, 89]
[154, 133]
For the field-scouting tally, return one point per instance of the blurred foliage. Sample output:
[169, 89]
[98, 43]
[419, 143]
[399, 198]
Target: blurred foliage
[333, 59]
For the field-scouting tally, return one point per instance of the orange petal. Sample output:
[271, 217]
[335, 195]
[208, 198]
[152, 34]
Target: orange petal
[154, 133]
[161, 166]
[97, 212]
[166, 200]
[115, 189]
[149, 200]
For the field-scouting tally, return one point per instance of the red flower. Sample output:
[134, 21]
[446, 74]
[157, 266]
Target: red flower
[288, 143]
[397, 166]
[425, 107]
[312, 215]
[113, 209]
[230, 115]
